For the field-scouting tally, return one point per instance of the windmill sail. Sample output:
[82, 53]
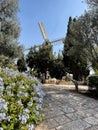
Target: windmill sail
[43, 31]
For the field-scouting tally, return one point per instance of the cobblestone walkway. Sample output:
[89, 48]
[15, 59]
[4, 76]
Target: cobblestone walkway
[69, 111]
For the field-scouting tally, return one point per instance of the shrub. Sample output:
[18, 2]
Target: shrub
[21, 64]
[93, 82]
[96, 72]
[21, 99]
[4, 60]
[7, 62]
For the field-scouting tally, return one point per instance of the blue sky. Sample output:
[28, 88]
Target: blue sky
[53, 13]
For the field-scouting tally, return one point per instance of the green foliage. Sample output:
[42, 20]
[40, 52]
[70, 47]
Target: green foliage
[7, 62]
[32, 57]
[40, 58]
[81, 42]
[9, 30]
[89, 33]
[3, 60]
[73, 53]
[93, 34]
[20, 101]
[57, 70]
[45, 57]
[96, 72]
[21, 64]
[93, 82]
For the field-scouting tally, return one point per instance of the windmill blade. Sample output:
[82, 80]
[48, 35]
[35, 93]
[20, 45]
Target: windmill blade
[31, 47]
[54, 41]
[57, 40]
[42, 28]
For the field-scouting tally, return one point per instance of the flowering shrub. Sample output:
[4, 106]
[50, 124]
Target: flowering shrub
[21, 99]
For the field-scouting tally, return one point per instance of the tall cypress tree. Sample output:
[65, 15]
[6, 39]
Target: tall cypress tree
[73, 55]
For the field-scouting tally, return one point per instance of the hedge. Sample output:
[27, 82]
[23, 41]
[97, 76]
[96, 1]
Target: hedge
[93, 82]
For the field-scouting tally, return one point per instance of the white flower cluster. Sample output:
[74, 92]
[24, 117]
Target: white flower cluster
[23, 94]
[3, 105]
[1, 86]
[23, 118]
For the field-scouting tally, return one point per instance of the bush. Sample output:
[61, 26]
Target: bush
[21, 64]
[4, 60]
[21, 99]
[96, 72]
[93, 82]
[7, 62]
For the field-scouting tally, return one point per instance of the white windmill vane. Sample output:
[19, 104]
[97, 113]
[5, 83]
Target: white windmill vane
[45, 37]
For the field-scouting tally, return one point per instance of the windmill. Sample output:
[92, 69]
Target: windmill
[45, 37]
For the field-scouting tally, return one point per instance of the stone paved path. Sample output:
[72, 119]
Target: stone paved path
[65, 110]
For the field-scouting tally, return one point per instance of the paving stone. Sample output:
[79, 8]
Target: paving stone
[52, 114]
[90, 111]
[84, 113]
[62, 119]
[74, 116]
[57, 103]
[75, 125]
[68, 109]
[96, 115]
[59, 112]
[91, 104]
[42, 126]
[92, 120]
[96, 109]
[93, 128]
[80, 108]
[52, 123]
[59, 128]
[49, 115]
[54, 108]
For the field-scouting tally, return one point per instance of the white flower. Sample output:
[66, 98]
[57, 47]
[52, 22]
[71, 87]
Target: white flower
[30, 104]
[1, 85]
[22, 87]
[24, 118]
[22, 94]
[8, 118]
[36, 99]
[20, 102]
[26, 110]
[3, 104]
[1, 79]
[1, 128]
[37, 112]
[2, 116]
[13, 84]
[32, 93]
[9, 93]
[8, 87]
[40, 100]
[39, 106]
[31, 127]
[1, 88]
